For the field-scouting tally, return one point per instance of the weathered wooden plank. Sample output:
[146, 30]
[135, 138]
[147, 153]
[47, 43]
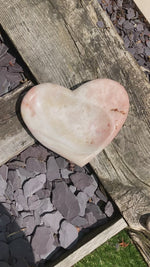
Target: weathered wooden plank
[60, 42]
[13, 137]
[92, 244]
[144, 6]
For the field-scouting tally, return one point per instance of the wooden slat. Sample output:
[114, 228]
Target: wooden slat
[13, 137]
[144, 6]
[60, 42]
[91, 245]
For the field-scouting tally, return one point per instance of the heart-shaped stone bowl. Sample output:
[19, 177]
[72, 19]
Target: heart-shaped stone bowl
[76, 124]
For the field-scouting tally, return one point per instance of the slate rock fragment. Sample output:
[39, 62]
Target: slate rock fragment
[67, 234]
[79, 221]
[109, 210]
[29, 224]
[34, 151]
[42, 242]
[43, 193]
[34, 184]
[53, 220]
[61, 162]
[21, 201]
[82, 200]
[94, 214]
[3, 185]
[4, 171]
[33, 164]
[45, 206]
[65, 173]
[65, 201]
[52, 169]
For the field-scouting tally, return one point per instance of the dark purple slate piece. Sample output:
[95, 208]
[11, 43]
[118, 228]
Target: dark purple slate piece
[42, 242]
[121, 21]
[61, 162]
[130, 13]
[100, 24]
[53, 220]
[34, 184]
[95, 199]
[52, 169]
[5, 60]
[34, 202]
[65, 201]
[139, 27]
[97, 213]
[147, 51]
[21, 249]
[4, 171]
[82, 200]
[109, 210]
[67, 234]
[148, 43]
[72, 188]
[65, 173]
[29, 224]
[81, 180]
[45, 206]
[79, 169]
[9, 191]
[43, 193]
[3, 186]
[79, 221]
[90, 218]
[14, 179]
[15, 68]
[3, 49]
[35, 165]
[128, 25]
[34, 151]
[24, 174]
[101, 195]
[21, 201]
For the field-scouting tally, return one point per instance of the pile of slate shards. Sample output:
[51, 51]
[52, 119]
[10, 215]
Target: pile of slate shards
[47, 205]
[11, 73]
[132, 27]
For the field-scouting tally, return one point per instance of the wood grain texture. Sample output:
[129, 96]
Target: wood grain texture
[61, 42]
[144, 6]
[13, 137]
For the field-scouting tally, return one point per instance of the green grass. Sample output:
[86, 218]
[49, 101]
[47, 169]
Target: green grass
[111, 254]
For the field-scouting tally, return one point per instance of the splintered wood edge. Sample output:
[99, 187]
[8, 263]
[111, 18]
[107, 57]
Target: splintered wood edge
[93, 244]
[144, 7]
[13, 137]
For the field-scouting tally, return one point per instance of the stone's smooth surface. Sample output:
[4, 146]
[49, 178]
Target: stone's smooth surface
[34, 185]
[67, 234]
[52, 169]
[76, 124]
[53, 220]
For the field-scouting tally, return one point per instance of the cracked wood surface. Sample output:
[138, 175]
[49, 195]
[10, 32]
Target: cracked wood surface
[61, 43]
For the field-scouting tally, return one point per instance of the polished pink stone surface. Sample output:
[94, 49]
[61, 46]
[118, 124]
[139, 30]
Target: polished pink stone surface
[76, 124]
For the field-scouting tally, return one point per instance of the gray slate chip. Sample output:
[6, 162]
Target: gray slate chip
[82, 200]
[45, 206]
[61, 162]
[67, 234]
[29, 224]
[79, 221]
[100, 24]
[52, 169]
[72, 188]
[43, 193]
[109, 210]
[4, 251]
[65, 201]
[33, 202]
[4, 171]
[34, 184]
[35, 151]
[42, 242]
[65, 173]
[21, 201]
[14, 179]
[53, 220]
[97, 213]
[3, 186]
[33, 164]
[130, 13]
[101, 195]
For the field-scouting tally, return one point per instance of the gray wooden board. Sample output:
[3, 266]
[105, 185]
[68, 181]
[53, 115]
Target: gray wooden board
[61, 42]
[13, 137]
